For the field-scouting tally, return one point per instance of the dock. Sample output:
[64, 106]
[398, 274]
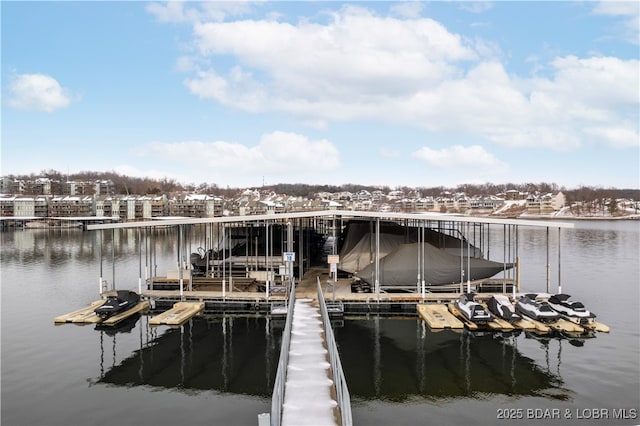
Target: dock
[438, 317]
[468, 323]
[139, 307]
[309, 393]
[81, 316]
[597, 326]
[88, 316]
[178, 314]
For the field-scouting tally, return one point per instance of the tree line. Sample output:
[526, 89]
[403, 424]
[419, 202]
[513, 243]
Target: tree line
[150, 186]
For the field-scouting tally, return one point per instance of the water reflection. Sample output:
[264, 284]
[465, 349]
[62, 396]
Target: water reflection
[236, 354]
[398, 360]
[383, 359]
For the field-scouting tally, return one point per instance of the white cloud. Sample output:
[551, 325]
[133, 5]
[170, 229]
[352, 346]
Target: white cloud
[629, 11]
[362, 66]
[476, 6]
[175, 11]
[37, 92]
[357, 57]
[410, 9]
[617, 8]
[474, 156]
[278, 153]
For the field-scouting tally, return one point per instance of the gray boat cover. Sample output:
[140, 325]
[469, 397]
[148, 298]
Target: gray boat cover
[400, 267]
[359, 243]
[399, 250]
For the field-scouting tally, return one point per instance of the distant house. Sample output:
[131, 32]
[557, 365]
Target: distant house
[545, 204]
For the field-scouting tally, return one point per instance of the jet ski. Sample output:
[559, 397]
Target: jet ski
[120, 302]
[537, 310]
[500, 306]
[472, 310]
[571, 309]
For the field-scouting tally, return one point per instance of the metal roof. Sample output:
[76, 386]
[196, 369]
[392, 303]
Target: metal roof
[338, 213]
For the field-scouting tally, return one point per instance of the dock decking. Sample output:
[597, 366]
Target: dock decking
[83, 315]
[308, 397]
[438, 317]
[88, 316]
[177, 315]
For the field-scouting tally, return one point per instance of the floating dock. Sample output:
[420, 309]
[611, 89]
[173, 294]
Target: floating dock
[177, 315]
[88, 316]
[566, 326]
[531, 325]
[81, 316]
[597, 326]
[438, 317]
[470, 324]
[139, 307]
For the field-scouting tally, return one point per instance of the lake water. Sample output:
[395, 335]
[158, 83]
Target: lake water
[220, 369]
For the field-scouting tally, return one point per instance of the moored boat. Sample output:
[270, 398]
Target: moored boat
[120, 302]
[528, 306]
[500, 306]
[472, 310]
[571, 309]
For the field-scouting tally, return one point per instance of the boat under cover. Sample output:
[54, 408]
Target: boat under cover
[528, 306]
[120, 302]
[400, 267]
[500, 306]
[472, 310]
[443, 256]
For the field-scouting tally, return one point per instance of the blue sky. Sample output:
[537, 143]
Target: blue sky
[420, 94]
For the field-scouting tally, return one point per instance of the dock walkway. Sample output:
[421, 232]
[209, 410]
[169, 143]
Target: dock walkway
[308, 389]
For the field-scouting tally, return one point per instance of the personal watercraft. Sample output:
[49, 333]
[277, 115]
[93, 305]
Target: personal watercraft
[472, 310]
[500, 306]
[537, 310]
[121, 301]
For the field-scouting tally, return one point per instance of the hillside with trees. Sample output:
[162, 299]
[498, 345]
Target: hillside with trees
[146, 185]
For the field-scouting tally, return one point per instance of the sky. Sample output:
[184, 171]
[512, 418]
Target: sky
[241, 94]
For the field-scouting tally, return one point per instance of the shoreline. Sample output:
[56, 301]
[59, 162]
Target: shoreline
[569, 218]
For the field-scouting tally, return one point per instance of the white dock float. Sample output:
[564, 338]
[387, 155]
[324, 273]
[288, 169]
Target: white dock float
[308, 392]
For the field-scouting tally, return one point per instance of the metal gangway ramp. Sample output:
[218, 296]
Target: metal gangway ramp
[310, 388]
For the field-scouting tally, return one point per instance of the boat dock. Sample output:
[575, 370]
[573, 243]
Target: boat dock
[81, 316]
[178, 314]
[438, 317]
[88, 316]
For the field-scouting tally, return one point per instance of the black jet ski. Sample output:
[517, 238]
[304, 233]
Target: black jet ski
[537, 310]
[472, 310]
[500, 306]
[120, 302]
[571, 309]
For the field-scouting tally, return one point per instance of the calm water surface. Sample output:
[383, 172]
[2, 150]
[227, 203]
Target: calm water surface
[220, 369]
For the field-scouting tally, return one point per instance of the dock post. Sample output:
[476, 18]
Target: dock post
[517, 286]
[548, 265]
[559, 282]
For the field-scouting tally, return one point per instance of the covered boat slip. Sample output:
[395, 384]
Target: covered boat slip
[384, 251]
[370, 262]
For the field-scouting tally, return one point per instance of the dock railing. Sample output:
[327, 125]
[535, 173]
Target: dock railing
[339, 381]
[277, 399]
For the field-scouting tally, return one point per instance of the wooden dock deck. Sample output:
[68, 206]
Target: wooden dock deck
[86, 315]
[139, 307]
[177, 315]
[438, 317]
[82, 315]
